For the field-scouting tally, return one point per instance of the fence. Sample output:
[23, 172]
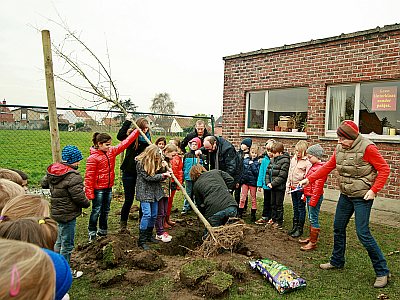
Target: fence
[25, 136]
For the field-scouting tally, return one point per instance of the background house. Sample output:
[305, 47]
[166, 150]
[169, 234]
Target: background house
[78, 116]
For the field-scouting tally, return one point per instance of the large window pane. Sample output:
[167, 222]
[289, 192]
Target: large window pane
[255, 118]
[341, 105]
[287, 104]
[379, 108]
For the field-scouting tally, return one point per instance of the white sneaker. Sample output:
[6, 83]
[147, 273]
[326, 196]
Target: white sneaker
[76, 274]
[66, 297]
[165, 237]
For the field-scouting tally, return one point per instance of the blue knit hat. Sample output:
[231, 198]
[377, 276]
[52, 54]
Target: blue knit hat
[70, 154]
[63, 273]
[248, 142]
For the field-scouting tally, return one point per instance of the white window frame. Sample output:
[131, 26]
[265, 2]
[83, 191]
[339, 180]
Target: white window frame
[264, 131]
[332, 133]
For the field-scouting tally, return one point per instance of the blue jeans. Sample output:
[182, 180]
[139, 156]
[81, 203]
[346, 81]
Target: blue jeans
[100, 209]
[65, 239]
[344, 210]
[299, 207]
[189, 191]
[129, 183]
[150, 211]
[313, 212]
[222, 216]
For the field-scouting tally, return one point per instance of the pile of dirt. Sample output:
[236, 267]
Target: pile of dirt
[116, 260]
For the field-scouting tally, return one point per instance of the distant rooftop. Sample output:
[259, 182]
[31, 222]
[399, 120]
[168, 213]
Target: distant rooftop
[318, 41]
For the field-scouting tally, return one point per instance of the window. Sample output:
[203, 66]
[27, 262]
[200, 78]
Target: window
[373, 106]
[282, 110]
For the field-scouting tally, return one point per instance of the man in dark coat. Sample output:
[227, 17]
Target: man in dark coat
[222, 156]
[200, 131]
[211, 190]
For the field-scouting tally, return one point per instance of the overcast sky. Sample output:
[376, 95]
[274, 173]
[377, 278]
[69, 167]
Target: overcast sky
[167, 46]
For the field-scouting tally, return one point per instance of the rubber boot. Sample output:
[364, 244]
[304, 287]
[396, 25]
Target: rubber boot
[150, 238]
[123, 227]
[240, 213]
[142, 240]
[294, 228]
[306, 240]
[312, 244]
[253, 215]
[299, 229]
[169, 221]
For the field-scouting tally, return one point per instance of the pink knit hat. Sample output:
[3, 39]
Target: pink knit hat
[197, 141]
[348, 130]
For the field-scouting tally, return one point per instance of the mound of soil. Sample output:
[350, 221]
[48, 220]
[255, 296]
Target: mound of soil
[116, 260]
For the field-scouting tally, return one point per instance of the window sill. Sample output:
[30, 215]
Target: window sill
[275, 134]
[394, 139]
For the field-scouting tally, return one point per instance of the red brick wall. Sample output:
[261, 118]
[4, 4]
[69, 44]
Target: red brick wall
[370, 57]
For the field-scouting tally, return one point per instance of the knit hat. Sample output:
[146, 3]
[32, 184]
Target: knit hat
[197, 141]
[247, 141]
[348, 129]
[316, 150]
[63, 273]
[70, 154]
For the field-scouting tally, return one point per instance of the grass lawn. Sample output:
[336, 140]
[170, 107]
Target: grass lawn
[353, 282]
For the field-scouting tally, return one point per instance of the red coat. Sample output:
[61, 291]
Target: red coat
[177, 168]
[100, 166]
[315, 189]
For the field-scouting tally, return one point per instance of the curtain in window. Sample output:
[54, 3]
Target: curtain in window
[338, 107]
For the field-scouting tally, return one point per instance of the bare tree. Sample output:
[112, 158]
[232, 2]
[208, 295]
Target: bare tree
[162, 104]
[85, 71]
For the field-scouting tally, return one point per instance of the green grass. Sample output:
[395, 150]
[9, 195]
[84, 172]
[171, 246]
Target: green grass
[353, 282]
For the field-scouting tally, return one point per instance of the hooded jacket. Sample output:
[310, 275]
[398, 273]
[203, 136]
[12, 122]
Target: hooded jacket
[67, 194]
[277, 172]
[211, 191]
[315, 189]
[251, 167]
[100, 166]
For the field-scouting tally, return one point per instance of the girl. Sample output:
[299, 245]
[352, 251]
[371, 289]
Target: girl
[99, 179]
[25, 206]
[161, 142]
[248, 182]
[40, 231]
[314, 193]
[9, 190]
[27, 272]
[11, 175]
[177, 142]
[266, 214]
[177, 168]
[297, 171]
[170, 151]
[149, 191]
[128, 166]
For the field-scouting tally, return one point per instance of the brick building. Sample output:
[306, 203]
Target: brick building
[304, 90]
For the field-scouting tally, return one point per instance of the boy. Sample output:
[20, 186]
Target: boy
[276, 177]
[67, 199]
[189, 160]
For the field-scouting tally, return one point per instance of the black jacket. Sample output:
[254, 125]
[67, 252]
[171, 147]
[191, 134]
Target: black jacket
[278, 171]
[192, 135]
[225, 158]
[211, 191]
[137, 147]
[66, 189]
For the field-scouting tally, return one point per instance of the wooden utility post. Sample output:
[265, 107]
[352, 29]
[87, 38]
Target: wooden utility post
[51, 97]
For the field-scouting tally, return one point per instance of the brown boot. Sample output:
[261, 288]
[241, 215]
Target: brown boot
[306, 240]
[169, 221]
[166, 225]
[312, 244]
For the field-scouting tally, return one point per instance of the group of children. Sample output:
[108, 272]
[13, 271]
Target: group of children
[32, 268]
[276, 174]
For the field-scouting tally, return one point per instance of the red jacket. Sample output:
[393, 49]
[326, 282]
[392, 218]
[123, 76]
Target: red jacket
[316, 189]
[177, 168]
[100, 166]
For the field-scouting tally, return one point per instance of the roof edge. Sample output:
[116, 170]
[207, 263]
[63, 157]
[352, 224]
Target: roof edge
[342, 36]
